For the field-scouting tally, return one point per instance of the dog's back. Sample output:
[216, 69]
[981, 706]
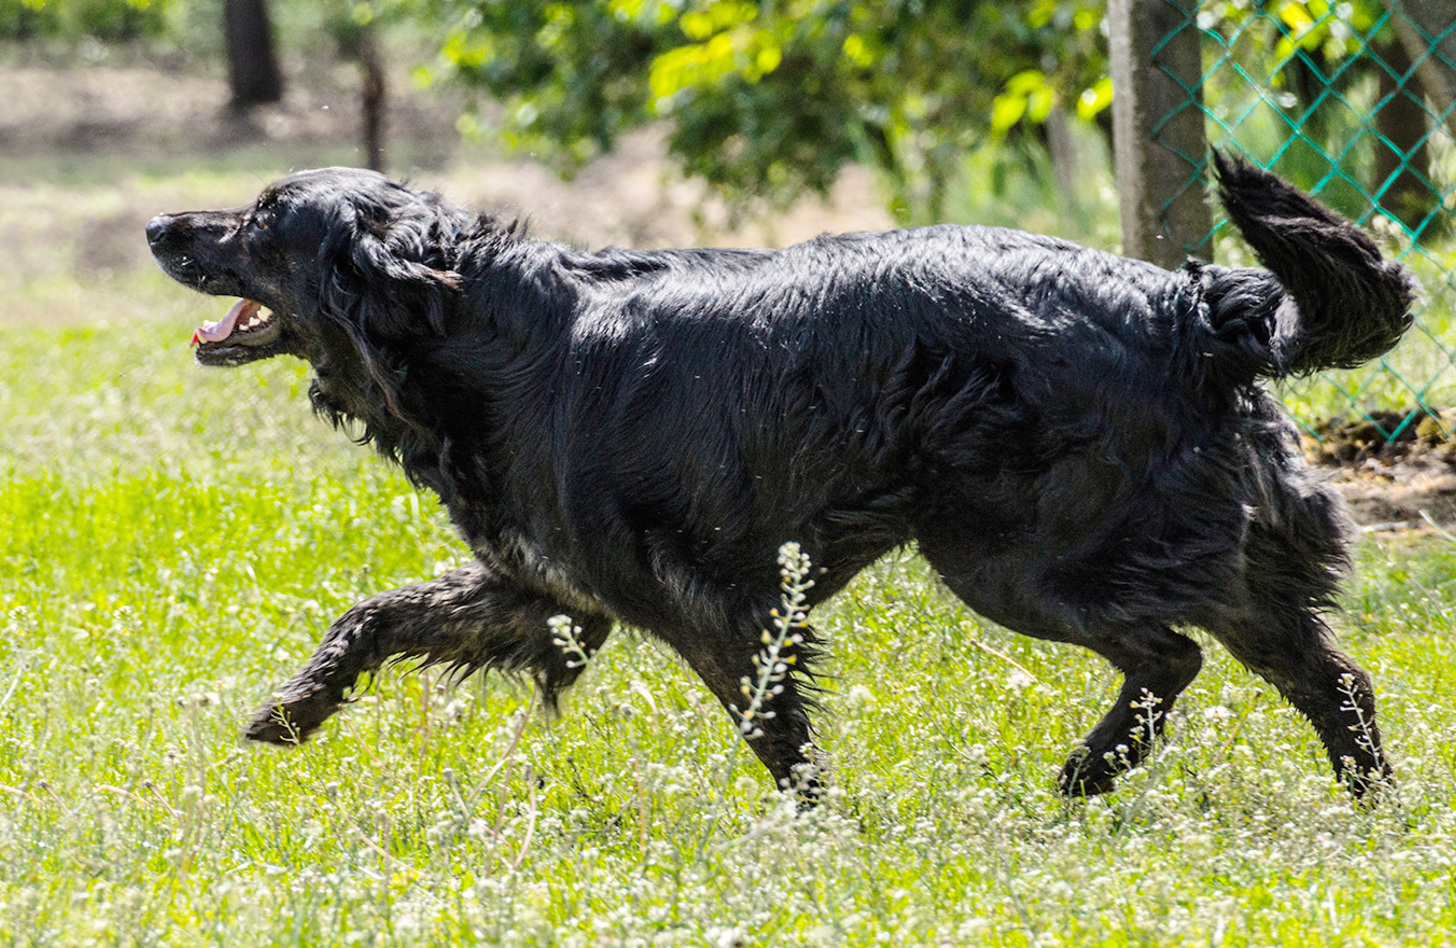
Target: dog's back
[1068, 397]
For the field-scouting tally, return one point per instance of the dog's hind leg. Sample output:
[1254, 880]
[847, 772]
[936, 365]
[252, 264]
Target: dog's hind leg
[1290, 647]
[1294, 560]
[467, 619]
[1156, 662]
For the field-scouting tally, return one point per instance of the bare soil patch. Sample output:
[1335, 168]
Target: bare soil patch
[1408, 483]
[150, 111]
[89, 153]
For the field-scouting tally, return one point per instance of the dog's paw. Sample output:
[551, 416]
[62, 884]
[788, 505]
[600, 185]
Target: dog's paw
[290, 719]
[1086, 776]
[1371, 788]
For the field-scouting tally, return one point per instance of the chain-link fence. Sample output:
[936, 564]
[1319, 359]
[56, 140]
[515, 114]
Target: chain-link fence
[1355, 102]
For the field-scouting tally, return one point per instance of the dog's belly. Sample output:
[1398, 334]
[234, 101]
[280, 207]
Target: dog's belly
[1094, 534]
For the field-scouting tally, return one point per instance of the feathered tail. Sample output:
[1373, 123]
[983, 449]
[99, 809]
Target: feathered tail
[1327, 300]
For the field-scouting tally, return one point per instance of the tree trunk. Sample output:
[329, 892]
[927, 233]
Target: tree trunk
[1158, 137]
[1402, 160]
[252, 66]
[1435, 57]
[372, 100]
[1063, 150]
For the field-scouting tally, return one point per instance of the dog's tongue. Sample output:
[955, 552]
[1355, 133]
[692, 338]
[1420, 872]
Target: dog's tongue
[220, 330]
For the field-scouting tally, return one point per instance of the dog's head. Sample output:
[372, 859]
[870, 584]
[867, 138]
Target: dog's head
[327, 265]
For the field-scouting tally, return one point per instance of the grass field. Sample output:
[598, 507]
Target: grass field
[173, 541]
[176, 540]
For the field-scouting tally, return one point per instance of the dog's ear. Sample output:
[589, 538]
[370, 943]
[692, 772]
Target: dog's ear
[386, 280]
[401, 297]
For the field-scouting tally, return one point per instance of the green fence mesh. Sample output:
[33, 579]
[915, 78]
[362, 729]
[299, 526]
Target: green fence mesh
[1354, 102]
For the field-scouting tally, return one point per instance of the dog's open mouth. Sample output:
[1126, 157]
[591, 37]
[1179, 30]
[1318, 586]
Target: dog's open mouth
[247, 332]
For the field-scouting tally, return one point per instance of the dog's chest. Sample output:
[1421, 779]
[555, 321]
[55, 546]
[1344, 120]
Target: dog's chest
[511, 553]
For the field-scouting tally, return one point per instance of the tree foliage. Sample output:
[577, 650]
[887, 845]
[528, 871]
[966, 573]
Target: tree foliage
[101, 19]
[767, 99]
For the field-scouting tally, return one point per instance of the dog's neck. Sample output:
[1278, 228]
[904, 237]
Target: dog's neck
[414, 396]
[394, 424]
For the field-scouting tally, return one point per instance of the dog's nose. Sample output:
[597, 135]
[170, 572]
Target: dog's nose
[157, 228]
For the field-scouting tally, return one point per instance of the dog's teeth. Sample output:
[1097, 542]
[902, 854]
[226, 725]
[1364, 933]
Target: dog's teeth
[259, 317]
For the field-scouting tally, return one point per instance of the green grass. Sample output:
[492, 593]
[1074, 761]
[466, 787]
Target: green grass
[177, 539]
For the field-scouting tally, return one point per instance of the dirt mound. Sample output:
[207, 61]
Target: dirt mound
[1397, 470]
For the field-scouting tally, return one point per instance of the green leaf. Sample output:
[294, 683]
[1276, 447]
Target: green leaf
[1094, 99]
[1006, 111]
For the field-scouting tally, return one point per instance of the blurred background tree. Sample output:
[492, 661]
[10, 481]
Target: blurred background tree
[107, 20]
[253, 73]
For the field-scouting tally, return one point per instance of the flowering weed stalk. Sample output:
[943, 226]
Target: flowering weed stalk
[566, 636]
[775, 660]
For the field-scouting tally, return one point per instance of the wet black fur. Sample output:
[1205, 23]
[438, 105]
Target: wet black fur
[1077, 442]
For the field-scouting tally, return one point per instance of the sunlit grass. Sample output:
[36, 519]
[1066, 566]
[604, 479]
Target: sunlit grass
[177, 539]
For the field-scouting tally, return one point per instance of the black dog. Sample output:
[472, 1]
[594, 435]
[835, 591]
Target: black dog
[1077, 442]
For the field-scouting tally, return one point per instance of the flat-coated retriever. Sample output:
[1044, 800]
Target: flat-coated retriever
[1078, 443]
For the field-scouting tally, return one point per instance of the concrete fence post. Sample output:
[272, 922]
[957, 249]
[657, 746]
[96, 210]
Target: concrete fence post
[1434, 58]
[1159, 146]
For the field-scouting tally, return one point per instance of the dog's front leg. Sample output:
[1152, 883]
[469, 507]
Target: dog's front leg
[766, 704]
[470, 618]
